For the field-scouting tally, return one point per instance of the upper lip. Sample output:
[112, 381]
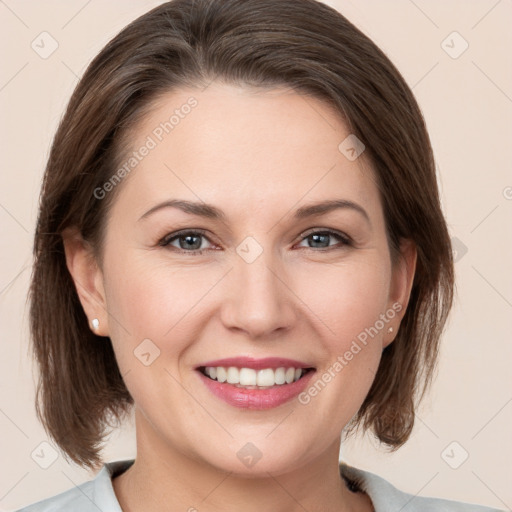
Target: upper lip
[256, 364]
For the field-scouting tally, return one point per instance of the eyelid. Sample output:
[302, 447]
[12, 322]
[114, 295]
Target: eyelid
[345, 239]
[166, 240]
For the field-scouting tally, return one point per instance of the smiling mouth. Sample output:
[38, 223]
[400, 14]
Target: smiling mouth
[249, 378]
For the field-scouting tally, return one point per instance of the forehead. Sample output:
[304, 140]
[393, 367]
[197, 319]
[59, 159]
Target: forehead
[243, 146]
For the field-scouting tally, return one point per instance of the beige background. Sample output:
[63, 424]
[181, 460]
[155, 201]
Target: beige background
[467, 102]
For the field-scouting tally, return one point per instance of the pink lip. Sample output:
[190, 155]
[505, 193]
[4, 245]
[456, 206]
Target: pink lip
[256, 364]
[258, 399]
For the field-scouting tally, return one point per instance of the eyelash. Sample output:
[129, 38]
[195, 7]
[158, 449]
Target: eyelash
[165, 242]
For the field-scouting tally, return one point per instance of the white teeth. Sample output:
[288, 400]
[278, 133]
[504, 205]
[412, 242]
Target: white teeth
[221, 374]
[233, 375]
[265, 377]
[248, 377]
[279, 376]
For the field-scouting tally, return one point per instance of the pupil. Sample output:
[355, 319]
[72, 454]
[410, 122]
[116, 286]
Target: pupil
[189, 245]
[317, 236]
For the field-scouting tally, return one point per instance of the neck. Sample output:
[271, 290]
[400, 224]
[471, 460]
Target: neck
[164, 478]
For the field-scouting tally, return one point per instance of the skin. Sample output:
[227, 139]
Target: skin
[258, 155]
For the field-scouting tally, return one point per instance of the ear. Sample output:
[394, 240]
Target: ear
[87, 277]
[402, 278]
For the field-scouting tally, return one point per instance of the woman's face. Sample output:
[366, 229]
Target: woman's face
[246, 268]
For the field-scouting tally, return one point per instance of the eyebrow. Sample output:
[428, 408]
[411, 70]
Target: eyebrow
[211, 212]
[323, 207]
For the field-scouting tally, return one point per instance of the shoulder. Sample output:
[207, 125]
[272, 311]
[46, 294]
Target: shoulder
[387, 498]
[79, 499]
[90, 496]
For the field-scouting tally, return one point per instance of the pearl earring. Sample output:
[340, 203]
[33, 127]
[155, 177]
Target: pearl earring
[95, 324]
[390, 330]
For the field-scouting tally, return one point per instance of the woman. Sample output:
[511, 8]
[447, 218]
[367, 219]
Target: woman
[240, 236]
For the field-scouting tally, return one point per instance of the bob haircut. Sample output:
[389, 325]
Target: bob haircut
[303, 45]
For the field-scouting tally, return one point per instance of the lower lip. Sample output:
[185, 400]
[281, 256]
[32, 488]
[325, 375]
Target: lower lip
[258, 399]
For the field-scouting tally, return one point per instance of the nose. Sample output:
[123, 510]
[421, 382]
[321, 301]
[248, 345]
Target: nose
[259, 300]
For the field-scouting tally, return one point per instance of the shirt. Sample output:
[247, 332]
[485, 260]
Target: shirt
[98, 494]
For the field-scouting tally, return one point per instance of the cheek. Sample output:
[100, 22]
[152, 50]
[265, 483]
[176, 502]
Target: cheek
[159, 303]
[347, 298]
[158, 299]
[152, 299]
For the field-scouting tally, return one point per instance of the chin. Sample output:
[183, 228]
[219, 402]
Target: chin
[255, 459]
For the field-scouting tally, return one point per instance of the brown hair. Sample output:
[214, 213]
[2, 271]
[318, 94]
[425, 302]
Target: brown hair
[301, 44]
